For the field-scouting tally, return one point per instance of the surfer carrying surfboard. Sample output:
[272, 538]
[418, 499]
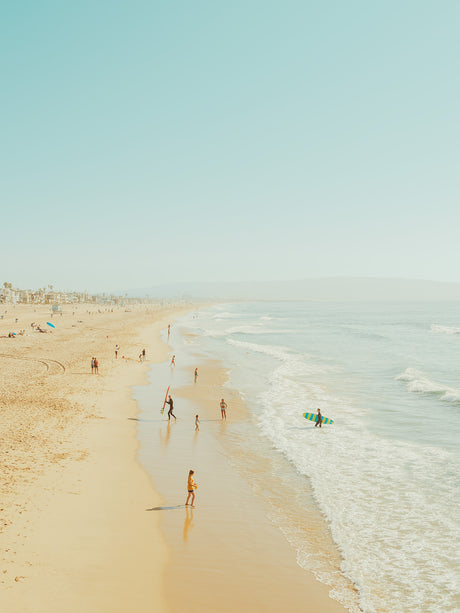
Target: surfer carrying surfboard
[171, 406]
[319, 421]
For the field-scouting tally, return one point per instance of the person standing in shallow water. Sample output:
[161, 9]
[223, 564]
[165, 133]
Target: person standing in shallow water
[319, 421]
[223, 409]
[196, 374]
[191, 487]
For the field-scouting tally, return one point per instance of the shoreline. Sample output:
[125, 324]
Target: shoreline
[226, 553]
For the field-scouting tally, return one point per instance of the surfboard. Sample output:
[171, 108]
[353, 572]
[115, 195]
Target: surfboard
[166, 398]
[314, 417]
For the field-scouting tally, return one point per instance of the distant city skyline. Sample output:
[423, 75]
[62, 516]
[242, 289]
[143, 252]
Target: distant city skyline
[146, 143]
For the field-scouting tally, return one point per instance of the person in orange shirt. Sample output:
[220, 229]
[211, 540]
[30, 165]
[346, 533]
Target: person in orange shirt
[191, 487]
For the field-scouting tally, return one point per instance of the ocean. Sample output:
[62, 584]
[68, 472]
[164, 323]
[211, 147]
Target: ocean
[371, 503]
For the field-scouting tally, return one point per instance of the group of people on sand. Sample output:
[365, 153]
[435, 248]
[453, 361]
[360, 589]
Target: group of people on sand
[37, 327]
[95, 366]
[14, 334]
[223, 411]
[191, 484]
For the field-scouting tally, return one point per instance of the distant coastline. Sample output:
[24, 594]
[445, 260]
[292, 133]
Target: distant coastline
[331, 288]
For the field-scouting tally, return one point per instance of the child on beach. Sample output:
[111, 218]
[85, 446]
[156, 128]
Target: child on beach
[197, 422]
[223, 409]
[191, 487]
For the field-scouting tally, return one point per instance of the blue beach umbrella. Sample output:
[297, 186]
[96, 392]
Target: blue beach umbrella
[49, 324]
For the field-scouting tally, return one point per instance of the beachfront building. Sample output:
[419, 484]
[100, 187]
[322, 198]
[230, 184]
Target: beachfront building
[8, 295]
[47, 295]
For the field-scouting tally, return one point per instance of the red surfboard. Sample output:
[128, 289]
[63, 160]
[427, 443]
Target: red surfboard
[166, 398]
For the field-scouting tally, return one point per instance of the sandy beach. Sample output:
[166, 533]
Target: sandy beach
[74, 532]
[82, 527]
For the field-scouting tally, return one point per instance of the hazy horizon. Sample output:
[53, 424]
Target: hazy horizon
[314, 288]
[332, 288]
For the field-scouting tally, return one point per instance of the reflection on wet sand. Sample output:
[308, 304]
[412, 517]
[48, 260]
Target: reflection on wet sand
[188, 523]
[164, 438]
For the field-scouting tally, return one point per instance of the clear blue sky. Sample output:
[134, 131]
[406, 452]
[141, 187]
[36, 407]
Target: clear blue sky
[146, 142]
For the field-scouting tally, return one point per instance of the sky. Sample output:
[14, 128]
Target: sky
[148, 142]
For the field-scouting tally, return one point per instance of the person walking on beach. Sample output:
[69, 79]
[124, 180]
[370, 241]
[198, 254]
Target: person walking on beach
[173, 361]
[223, 409]
[92, 365]
[197, 422]
[319, 420]
[171, 406]
[169, 330]
[117, 349]
[196, 374]
[191, 487]
[143, 355]
[96, 366]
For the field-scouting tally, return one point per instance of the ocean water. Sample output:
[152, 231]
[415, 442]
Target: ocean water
[382, 484]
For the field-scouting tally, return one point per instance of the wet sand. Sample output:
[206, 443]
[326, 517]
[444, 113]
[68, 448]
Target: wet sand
[226, 553]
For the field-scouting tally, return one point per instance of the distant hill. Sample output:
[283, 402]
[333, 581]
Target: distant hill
[334, 288]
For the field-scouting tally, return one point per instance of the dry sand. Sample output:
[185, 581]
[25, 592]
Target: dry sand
[73, 529]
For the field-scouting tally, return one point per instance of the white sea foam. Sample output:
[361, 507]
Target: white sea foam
[249, 329]
[391, 528]
[444, 329]
[417, 381]
[391, 502]
[225, 315]
[296, 365]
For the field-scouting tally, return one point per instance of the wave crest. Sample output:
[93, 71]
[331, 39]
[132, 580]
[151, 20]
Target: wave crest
[437, 329]
[418, 381]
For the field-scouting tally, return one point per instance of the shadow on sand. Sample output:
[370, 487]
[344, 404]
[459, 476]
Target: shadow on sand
[179, 506]
[145, 421]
